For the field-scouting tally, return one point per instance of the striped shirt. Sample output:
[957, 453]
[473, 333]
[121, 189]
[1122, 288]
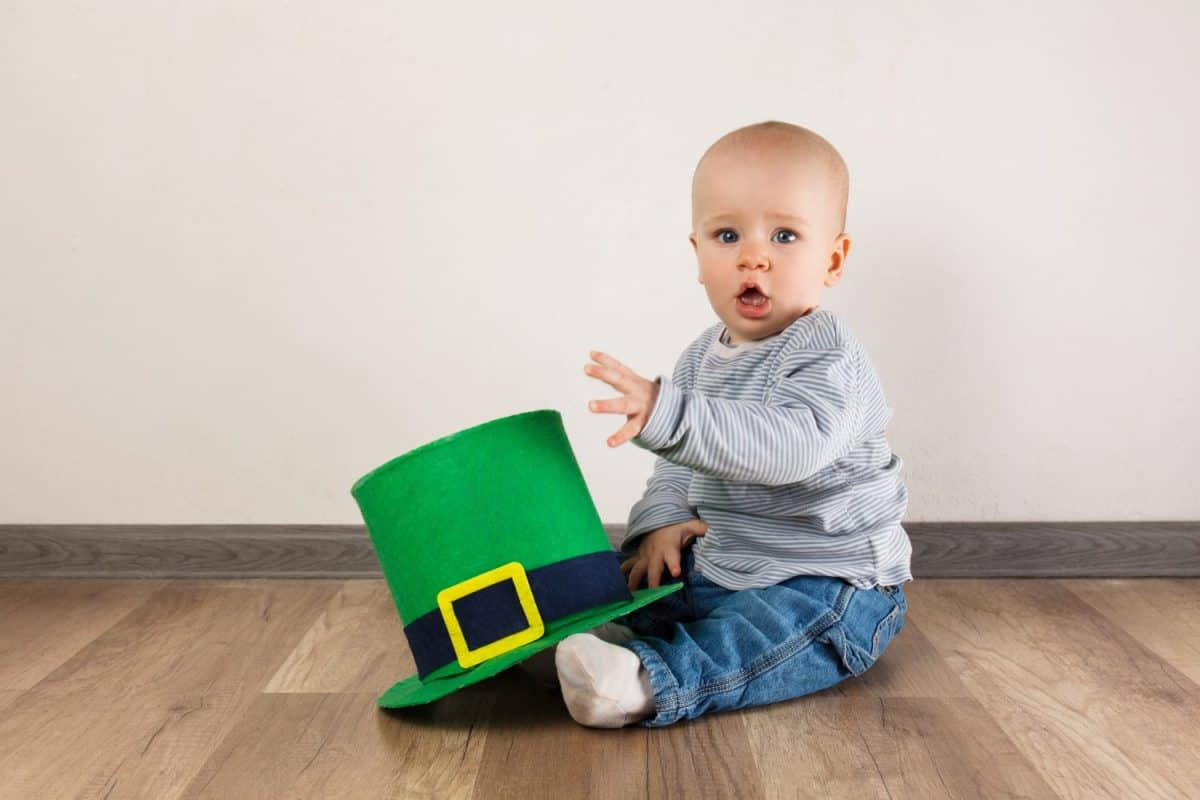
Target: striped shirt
[778, 444]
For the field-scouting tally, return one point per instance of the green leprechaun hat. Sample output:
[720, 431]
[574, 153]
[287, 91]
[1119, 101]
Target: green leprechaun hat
[492, 549]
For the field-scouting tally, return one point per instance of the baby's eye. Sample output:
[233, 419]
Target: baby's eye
[721, 234]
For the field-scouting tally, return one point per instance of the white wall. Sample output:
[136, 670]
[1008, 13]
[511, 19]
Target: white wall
[252, 251]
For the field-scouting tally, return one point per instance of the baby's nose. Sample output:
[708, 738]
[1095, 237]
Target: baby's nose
[755, 258]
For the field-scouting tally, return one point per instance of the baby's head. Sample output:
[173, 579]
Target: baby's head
[769, 206]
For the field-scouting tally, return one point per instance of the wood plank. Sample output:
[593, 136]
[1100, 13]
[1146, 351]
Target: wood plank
[1097, 713]
[705, 757]
[139, 710]
[993, 688]
[334, 745]
[535, 749]
[1161, 613]
[839, 744]
[47, 621]
[907, 727]
[356, 644]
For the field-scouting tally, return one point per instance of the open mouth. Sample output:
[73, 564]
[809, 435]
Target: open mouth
[753, 303]
[752, 296]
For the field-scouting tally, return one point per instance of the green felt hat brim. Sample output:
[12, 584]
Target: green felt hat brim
[414, 692]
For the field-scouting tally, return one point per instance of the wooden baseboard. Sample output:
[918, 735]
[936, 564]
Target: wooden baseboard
[940, 550]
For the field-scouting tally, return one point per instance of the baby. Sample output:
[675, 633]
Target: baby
[775, 497]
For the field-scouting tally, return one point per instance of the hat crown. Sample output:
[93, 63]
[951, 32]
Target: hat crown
[508, 490]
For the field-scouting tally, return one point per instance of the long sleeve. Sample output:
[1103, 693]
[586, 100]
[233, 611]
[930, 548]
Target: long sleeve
[810, 419]
[663, 503]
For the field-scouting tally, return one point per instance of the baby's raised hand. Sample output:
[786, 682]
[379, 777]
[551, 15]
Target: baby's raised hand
[636, 403]
[661, 547]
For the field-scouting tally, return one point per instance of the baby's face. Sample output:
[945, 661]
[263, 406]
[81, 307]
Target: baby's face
[770, 220]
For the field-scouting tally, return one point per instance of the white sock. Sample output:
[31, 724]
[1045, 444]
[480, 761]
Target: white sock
[604, 685]
[541, 667]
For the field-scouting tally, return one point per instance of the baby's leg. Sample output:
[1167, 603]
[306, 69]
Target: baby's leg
[759, 646]
[603, 682]
[659, 618]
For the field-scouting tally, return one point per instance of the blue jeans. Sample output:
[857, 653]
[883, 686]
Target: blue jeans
[709, 649]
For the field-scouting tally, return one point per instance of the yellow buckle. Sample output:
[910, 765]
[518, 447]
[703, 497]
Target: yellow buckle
[446, 597]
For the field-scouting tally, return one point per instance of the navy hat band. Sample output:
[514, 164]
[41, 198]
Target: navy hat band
[560, 589]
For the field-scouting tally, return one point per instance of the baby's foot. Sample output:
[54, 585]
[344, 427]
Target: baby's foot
[540, 666]
[604, 685]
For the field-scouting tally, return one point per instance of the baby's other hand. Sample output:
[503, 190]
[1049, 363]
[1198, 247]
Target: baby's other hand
[639, 395]
[661, 547]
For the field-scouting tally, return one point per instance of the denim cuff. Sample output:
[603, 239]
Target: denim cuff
[666, 688]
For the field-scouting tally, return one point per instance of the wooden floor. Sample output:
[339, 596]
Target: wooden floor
[266, 688]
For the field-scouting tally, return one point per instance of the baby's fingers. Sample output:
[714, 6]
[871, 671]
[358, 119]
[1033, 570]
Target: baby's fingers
[656, 568]
[673, 562]
[629, 430]
[636, 573]
[606, 360]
